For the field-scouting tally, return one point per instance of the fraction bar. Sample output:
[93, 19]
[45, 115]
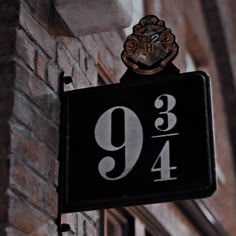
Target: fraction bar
[164, 135]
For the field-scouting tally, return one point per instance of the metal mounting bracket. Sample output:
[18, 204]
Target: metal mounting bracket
[62, 149]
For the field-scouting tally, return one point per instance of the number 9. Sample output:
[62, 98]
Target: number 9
[133, 141]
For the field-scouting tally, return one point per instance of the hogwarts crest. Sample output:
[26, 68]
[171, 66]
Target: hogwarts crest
[150, 47]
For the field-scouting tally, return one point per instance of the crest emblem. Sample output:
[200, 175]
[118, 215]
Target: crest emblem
[150, 47]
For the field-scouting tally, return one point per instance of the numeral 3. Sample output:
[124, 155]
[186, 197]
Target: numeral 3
[171, 118]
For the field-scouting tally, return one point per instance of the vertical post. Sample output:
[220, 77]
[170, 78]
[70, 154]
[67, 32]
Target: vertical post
[62, 149]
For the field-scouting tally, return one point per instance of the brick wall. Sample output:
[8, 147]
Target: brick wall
[31, 60]
[31, 124]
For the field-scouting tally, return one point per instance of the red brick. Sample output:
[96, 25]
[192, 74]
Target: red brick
[36, 31]
[11, 231]
[50, 200]
[39, 92]
[73, 46]
[41, 194]
[47, 132]
[79, 78]
[23, 110]
[34, 153]
[23, 216]
[36, 192]
[119, 70]
[91, 71]
[106, 56]
[25, 49]
[82, 55]
[65, 60]
[53, 175]
[113, 42]
[90, 46]
[53, 73]
[40, 64]
[34, 120]
[20, 177]
[47, 229]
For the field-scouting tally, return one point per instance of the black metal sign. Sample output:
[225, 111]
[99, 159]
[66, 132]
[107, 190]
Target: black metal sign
[145, 141]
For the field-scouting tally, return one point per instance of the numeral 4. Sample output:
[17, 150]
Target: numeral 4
[164, 158]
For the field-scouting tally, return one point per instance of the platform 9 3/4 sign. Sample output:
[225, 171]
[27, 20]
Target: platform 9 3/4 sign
[139, 142]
